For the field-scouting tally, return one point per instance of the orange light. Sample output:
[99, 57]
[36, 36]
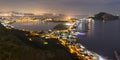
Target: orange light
[30, 39]
[68, 17]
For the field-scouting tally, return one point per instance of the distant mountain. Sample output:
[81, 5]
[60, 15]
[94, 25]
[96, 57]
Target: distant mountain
[14, 13]
[80, 16]
[105, 16]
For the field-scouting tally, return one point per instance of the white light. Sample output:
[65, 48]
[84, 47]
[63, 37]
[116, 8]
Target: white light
[101, 58]
[80, 33]
[68, 24]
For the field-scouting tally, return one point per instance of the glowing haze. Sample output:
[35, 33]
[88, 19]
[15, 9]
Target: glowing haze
[82, 7]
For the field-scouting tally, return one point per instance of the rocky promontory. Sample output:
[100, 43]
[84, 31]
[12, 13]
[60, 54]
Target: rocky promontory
[105, 16]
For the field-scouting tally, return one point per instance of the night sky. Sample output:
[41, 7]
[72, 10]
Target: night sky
[82, 7]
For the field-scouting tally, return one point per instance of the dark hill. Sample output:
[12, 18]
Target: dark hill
[14, 48]
[105, 16]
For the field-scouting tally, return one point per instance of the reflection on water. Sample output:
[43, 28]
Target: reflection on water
[82, 29]
[103, 37]
[91, 28]
[35, 25]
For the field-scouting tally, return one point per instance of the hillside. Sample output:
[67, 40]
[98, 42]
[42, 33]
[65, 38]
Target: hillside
[13, 47]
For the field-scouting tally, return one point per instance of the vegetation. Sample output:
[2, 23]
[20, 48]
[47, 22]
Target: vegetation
[14, 48]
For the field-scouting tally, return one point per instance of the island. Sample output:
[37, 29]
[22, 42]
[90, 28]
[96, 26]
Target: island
[104, 16]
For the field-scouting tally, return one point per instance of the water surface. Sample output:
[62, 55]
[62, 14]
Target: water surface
[103, 37]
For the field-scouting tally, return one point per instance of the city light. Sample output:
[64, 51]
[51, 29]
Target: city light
[101, 58]
[59, 30]
[30, 39]
[80, 33]
[68, 24]
[45, 43]
[68, 17]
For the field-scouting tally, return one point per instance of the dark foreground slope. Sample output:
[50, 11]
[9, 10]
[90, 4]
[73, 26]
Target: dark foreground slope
[13, 48]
